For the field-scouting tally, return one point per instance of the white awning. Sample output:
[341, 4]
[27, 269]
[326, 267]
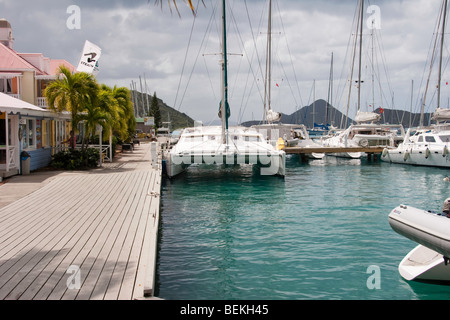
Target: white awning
[10, 75]
[47, 77]
[9, 104]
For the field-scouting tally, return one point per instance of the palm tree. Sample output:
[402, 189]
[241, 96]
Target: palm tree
[127, 125]
[71, 92]
[101, 111]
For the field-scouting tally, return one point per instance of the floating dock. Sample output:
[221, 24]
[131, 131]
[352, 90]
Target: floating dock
[84, 235]
[303, 151]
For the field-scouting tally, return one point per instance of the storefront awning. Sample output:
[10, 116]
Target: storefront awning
[9, 104]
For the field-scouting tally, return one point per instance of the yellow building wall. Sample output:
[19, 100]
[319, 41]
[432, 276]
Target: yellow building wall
[29, 87]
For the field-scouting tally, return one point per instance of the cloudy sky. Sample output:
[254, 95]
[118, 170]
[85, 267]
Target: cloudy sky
[177, 56]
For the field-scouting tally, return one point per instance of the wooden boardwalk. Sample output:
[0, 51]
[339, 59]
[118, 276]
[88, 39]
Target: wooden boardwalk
[84, 235]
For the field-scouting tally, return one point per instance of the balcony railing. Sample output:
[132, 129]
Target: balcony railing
[42, 102]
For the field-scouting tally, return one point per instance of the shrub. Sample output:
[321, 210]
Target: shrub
[76, 159]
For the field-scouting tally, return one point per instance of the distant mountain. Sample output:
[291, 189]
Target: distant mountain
[176, 118]
[321, 112]
[315, 112]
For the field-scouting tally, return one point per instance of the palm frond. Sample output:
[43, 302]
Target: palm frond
[189, 2]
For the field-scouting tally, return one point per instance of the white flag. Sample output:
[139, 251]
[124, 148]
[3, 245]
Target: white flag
[89, 58]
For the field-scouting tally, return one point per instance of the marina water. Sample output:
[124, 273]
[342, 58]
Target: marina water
[321, 233]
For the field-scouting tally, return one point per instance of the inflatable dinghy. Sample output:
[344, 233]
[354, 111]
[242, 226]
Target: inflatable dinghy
[428, 261]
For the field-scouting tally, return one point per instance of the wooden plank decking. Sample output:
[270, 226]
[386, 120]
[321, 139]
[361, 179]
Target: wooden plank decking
[102, 224]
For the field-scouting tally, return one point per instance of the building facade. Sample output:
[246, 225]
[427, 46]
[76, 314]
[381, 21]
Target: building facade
[25, 122]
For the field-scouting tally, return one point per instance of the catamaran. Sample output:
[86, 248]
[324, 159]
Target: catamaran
[224, 145]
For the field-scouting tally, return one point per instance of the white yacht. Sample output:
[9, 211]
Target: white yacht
[425, 147]
[365, 135]
[428, 146]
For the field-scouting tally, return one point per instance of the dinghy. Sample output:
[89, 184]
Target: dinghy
[427, 228]
[429, 260]
[424, 264]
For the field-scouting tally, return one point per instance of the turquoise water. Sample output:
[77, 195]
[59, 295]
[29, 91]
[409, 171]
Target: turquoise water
[314, 235]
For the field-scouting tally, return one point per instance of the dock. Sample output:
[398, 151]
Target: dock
[85, 235]
[303, 151]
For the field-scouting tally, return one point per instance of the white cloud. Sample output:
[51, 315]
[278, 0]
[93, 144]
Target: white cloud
[139, 38]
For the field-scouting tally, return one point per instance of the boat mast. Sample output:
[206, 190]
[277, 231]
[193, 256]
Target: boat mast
[314, 104]
[410, 107]
[360, 52]
[373, 67]
[355, 42]
[440, 58]
[224, 103]
[267, 89]
[442, 16]
[330, 90]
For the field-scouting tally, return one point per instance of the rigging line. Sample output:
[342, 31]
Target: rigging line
[290, 56]
[375, 67]
[342, 85]
[352, 64]
[235, 24]
[196, 59]
[241, 109]
[255, 52]
[185, 58]
[431, 65]
[289, 83]
[386, 71]
[419, 95]
[210, 81]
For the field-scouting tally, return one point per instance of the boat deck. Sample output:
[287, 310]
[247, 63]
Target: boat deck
[85, 235]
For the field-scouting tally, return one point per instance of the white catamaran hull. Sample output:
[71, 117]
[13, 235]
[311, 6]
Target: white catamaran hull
[203, 145]
[269, 164]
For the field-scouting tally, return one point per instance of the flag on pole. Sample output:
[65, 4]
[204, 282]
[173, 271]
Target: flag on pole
[89, 58]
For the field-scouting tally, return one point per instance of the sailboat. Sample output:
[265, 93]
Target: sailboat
[427, 146]
[366, 132]
[272, 130]
[277, 133]
[224, 145]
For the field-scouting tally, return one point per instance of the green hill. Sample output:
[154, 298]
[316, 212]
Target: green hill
[177, 119]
